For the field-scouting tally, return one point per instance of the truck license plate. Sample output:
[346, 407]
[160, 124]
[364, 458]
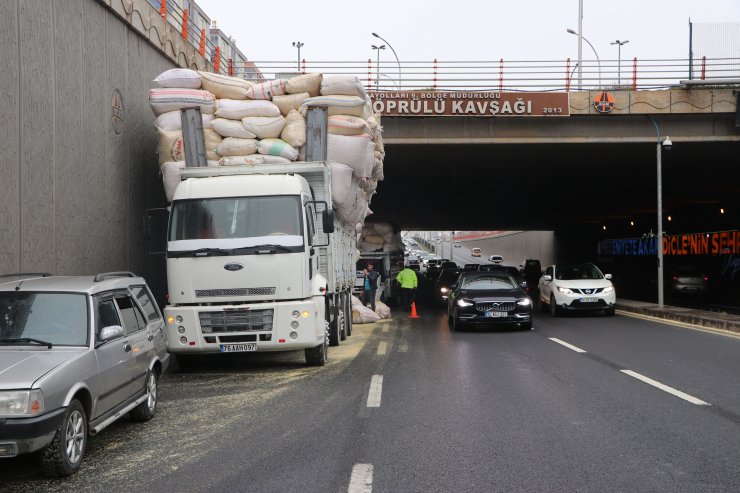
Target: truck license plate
[496, 314]
[236, 348]
[589, 300]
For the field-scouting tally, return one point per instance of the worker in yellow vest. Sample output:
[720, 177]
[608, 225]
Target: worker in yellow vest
[408, 281]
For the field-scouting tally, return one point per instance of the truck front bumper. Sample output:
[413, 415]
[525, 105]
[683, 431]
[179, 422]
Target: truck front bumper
[297, 324]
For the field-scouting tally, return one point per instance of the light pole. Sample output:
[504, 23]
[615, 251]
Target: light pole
[394, 54]
[377, 67]
[581, 36]
[298, 44]
[667, 144]
[619, 62]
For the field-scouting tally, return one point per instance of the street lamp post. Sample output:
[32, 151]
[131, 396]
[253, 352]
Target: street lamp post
[667, 144]
[619, 60]
[581, 36]
[298, 44]
[377, 67]
[394, 54]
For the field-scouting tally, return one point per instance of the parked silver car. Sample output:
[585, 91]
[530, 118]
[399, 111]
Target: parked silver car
[76, 354]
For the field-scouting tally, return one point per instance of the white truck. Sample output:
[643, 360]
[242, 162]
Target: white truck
[256, 261]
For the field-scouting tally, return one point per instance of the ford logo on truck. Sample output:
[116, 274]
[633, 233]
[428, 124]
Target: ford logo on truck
[233, 267]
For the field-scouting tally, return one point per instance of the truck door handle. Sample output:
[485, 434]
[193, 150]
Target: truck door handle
[127, 347]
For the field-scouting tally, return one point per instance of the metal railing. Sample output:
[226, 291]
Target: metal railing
[516, 75]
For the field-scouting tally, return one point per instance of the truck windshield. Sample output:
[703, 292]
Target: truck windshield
[236, 217]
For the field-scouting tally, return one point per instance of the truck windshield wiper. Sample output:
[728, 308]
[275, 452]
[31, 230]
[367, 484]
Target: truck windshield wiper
[22, 340]
[201, 252]
[266, 248]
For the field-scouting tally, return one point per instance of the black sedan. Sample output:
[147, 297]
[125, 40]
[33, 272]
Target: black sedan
[488, 298]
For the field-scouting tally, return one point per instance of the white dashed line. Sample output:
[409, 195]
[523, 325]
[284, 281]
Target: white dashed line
[569, 346]
[386, 328]
[376, 389]
[666, 388]
[403, 347]
[382, 347]
[361, 480]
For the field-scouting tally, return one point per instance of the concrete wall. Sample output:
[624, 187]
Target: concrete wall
[516, 246]
[73, 191]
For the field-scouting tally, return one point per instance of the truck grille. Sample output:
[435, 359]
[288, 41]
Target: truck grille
[497, 306]
[238, 320]
[205, 293]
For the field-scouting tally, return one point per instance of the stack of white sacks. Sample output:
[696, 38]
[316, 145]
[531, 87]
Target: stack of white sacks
[254, 124]
[379, 237]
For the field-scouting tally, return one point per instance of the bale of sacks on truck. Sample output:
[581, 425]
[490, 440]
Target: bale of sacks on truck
[254, 124]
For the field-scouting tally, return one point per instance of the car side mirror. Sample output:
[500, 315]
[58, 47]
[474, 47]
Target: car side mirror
[547, 278]
[453, 287]
[608, 277]
[111, 332]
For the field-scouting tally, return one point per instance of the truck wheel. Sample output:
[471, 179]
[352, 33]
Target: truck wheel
[341, 321]
[147, 409]
[318, 356]
[348, 312]
[63, 456]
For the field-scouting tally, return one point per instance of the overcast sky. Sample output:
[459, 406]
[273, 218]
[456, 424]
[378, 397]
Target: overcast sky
[465, 30]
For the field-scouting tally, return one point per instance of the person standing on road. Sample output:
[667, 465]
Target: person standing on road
[408, 281]
[371, 286]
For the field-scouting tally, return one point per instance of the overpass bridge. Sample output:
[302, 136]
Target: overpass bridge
[587, 169]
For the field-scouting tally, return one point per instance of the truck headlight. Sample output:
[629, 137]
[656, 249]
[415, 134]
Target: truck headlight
[565, 290]
[21, 402]
[464, 303]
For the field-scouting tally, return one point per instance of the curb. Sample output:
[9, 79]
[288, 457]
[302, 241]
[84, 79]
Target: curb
[689, 318]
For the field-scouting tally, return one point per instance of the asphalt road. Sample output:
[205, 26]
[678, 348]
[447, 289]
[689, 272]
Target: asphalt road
[407, 405]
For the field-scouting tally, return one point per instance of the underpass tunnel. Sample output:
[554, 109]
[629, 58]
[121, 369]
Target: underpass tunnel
[583, 192]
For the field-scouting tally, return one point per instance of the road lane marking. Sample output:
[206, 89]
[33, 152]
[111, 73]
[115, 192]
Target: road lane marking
[361, 480]
[376, 389]
[403, 347]
[569, 346]
[666, 388]
[386, 328]
[382, 347]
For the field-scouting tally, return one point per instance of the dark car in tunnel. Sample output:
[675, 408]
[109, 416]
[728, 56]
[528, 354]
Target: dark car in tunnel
[444, 283]
[492, 297]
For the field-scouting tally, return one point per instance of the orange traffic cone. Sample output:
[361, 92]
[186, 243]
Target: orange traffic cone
[413, 311]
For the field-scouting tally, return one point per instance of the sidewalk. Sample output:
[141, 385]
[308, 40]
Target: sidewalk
[711, 320]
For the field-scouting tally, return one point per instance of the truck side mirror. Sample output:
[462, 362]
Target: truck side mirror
[327, 219]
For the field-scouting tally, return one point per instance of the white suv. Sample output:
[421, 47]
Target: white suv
[576, 287]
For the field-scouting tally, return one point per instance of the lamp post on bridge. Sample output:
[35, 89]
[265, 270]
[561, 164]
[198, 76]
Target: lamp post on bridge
[619, 60]
[299, 45]
[394, 54]
[581, 36]
[377, 66]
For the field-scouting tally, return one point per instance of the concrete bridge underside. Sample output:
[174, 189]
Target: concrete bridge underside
[556, 173]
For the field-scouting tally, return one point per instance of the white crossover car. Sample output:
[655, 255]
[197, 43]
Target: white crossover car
[576, 287]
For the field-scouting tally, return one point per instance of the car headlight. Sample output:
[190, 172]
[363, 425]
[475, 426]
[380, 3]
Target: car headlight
[21, 402]
[608, 289]
[464, 303]
[565, 290]
[524, 302]
[444, 290]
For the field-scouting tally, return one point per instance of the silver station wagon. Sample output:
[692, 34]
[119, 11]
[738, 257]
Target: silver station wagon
[76, 354]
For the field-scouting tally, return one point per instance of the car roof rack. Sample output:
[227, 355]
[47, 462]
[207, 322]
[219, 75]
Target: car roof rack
[105, 275]
[27, 274]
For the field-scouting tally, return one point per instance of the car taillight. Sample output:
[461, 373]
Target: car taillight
[674, 278]
[706, 278]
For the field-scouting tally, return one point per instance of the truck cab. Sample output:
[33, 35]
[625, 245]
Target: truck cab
[243, 266]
